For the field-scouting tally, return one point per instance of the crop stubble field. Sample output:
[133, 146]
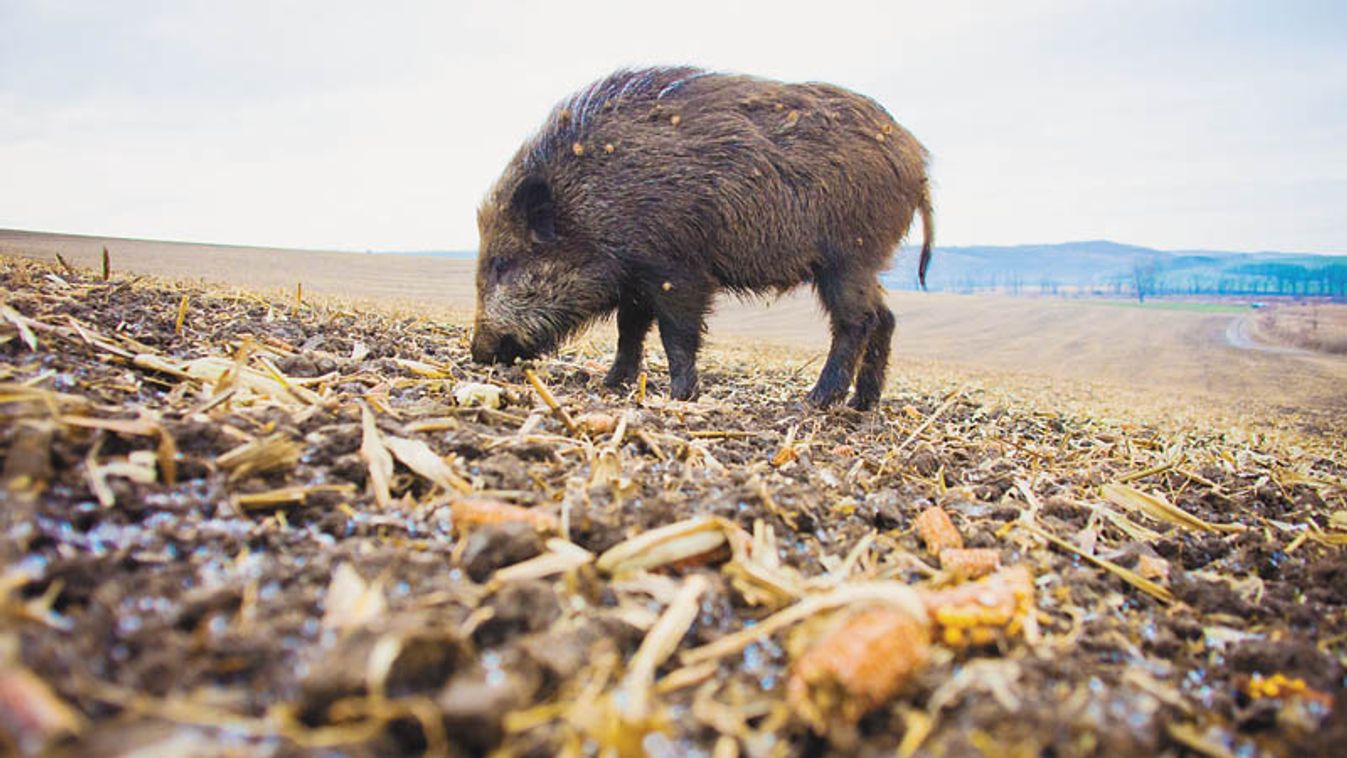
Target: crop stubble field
[251, 524]
[1147, 363]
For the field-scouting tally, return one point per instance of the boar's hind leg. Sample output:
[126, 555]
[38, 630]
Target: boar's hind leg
[852, 303]
[874, 362]
[633, 322]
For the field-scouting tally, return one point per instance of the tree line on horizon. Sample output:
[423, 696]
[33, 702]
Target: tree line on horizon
[1145, 276]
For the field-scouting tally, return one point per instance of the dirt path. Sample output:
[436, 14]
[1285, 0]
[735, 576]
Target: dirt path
[1239, 335]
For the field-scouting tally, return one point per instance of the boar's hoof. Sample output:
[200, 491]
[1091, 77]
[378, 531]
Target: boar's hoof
[823, 396]
[862, 403]
[620, 376]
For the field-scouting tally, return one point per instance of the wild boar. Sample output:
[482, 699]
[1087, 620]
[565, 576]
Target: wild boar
[649, 191]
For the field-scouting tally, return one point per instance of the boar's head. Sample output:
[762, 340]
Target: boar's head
[538, 278]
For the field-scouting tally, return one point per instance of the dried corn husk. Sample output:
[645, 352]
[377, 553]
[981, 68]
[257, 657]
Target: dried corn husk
[480, 511]
[936, 529]
[857, 666]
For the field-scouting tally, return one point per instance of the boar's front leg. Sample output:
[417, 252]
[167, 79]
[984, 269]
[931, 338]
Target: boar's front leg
[681, 312]
[852, 303]
[634, 318]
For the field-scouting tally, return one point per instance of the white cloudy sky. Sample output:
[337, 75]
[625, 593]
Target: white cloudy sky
[356, 125]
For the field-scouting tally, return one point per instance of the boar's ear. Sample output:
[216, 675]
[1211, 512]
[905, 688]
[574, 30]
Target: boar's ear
[534, 202]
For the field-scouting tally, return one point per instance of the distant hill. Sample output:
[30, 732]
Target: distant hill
[1103, 267]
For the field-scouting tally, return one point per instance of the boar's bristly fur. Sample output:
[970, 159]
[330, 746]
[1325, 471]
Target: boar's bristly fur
[649, 191]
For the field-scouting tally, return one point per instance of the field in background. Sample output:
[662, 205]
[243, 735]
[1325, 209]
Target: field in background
[443, 284]
[1321, 327]
[1153, 360]
[1170, 305]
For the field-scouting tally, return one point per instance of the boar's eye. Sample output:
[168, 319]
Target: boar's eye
[500, 266]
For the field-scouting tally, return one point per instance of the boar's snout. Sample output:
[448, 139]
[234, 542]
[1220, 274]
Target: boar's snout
[489, 346]
[483, 345]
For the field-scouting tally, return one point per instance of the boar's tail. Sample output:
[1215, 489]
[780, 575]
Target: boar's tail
[928, 235]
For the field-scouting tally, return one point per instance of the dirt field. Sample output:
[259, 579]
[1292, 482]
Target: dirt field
[1149, 364]
[415, 281]
[235, 525]
[1144, 357]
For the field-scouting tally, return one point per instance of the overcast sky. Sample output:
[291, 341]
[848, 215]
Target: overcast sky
[379, 125]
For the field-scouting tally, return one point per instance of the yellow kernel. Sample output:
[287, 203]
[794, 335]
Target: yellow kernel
[608, 148]
[578, 149]
[675, 118]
